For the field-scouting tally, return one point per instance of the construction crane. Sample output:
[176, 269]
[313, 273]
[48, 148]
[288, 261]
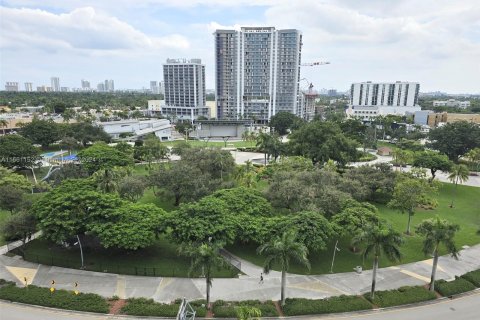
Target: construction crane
[312, 64]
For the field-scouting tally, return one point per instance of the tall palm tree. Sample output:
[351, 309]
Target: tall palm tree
[107, 179]
[206, 258]
[263, 144]
[458, 174]
[281, 250]
[378, 239]
[3, 124]
[436, 232]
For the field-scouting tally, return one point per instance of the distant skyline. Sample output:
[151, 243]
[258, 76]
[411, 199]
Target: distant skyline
[433, 42]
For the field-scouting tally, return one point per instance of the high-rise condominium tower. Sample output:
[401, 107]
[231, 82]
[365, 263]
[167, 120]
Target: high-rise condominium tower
[184, 82]
[55, 81]
[257, 72]
[109, 86]
[28, 86]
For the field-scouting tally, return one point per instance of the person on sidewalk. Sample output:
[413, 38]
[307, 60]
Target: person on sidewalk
[261, 278]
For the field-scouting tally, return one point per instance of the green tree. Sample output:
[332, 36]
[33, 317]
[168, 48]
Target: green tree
[3, 124]
[107, 179]
[206, 258]
[354, 129]
[321, 141]
[153, 150]
[19, 226]
[281, 250]
[215, 163]
[458, 174]
[17, 152]
[11, 199]
[433, 161]
[86, 133]
[474, 157]
[378, 180]
[131, 226]
[378, 239]
[409, 194]
[282, 121]
[269, 144]
[42, 132]
[402, 157]
[9, 179]
[69, 143]
[436, 232]
[455, 139]
[132, 187]
[246, 175]
[101, 156]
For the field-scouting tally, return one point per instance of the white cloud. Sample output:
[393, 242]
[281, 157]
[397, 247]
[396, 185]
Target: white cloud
[83, 29]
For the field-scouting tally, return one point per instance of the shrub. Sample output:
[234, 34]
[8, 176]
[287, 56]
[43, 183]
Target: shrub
[403, 295]
[226, 309]
[4, 282]
[61, 299]
[331, 305]
[473, 277]
[148, 307]
[459, 285]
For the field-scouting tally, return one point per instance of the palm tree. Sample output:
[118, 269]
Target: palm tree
[280, 250]
[3, 124]
[205, 258]
[107, 179]
[437, 231]
[378, 239]
[263, 143]
[458, 173]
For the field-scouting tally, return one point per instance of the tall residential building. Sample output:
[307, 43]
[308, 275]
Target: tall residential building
[161, 87]
[11, 86]
[184, 82]
[55, 81]
[28, 86]
[257, 72]
[109, 86]
[369, 100]
[85, 85]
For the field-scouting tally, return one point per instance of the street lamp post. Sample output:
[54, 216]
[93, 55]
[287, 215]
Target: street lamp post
[81, 251]
[334, 252]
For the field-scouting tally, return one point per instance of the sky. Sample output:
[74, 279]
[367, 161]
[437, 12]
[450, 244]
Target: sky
[434, 42]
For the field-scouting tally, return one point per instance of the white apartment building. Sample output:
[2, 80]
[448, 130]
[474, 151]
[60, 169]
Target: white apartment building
[257, 72]
[28, 86]
[451, 103]
[11, 86]
[138, 128]
[184, 91]
[369, 100]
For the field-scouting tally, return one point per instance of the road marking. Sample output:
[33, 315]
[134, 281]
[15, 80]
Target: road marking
[415, 275]
[21, 273]
[121, 285]
[430, 263]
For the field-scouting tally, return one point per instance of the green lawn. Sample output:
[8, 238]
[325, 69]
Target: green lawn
[465, 213]
[161, 259]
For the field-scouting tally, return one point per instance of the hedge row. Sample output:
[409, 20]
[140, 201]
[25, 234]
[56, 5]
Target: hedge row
[473, 277]
[61, 299]
[459, 285]
[400, 296]
[343, 303]
[148, 307]
[226, 309]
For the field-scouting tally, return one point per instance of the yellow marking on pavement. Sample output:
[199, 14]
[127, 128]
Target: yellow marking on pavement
[121, 284]
[430, 263]
[21, 273]
[415, 275]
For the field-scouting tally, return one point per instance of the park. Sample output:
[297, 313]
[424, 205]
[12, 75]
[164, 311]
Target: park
[193, 211]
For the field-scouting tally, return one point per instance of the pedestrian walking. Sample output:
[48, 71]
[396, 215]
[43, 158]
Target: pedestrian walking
[261, 278]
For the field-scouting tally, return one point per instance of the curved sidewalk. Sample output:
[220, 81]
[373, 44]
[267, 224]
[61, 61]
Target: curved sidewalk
[164, 289]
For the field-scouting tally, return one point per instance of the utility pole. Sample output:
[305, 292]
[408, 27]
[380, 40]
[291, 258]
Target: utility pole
[334, 252]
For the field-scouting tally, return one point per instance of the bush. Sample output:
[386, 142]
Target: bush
[365, 157]
[400, 296]
[459, 285]
[4, 282]
[473, 277]
[226, 309]
[61, 299]
[148, 307]
[342, 303]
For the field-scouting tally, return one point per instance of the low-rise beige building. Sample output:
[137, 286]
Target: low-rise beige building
[435, 119]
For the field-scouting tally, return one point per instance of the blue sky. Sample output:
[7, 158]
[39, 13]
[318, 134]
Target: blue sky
[434, 42]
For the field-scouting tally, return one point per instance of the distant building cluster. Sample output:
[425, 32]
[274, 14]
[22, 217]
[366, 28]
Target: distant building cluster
[107, 86]
[451, 103]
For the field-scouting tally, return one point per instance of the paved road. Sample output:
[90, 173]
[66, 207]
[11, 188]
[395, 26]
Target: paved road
[465, 308]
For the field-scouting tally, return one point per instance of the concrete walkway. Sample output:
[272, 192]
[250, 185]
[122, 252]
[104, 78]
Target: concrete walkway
[246, 287]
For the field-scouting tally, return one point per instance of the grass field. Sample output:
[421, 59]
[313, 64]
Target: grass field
[160, 259]
[465, 213]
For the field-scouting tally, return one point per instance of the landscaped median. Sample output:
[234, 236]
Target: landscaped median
[64, 299]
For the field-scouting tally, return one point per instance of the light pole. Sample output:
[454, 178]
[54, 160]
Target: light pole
[334, 252]
[81, 250]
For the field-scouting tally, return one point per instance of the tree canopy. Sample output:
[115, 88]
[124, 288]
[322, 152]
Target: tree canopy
[17, 152]
[433, 161]
[455, 139]
[282, 121]
[101, 156]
